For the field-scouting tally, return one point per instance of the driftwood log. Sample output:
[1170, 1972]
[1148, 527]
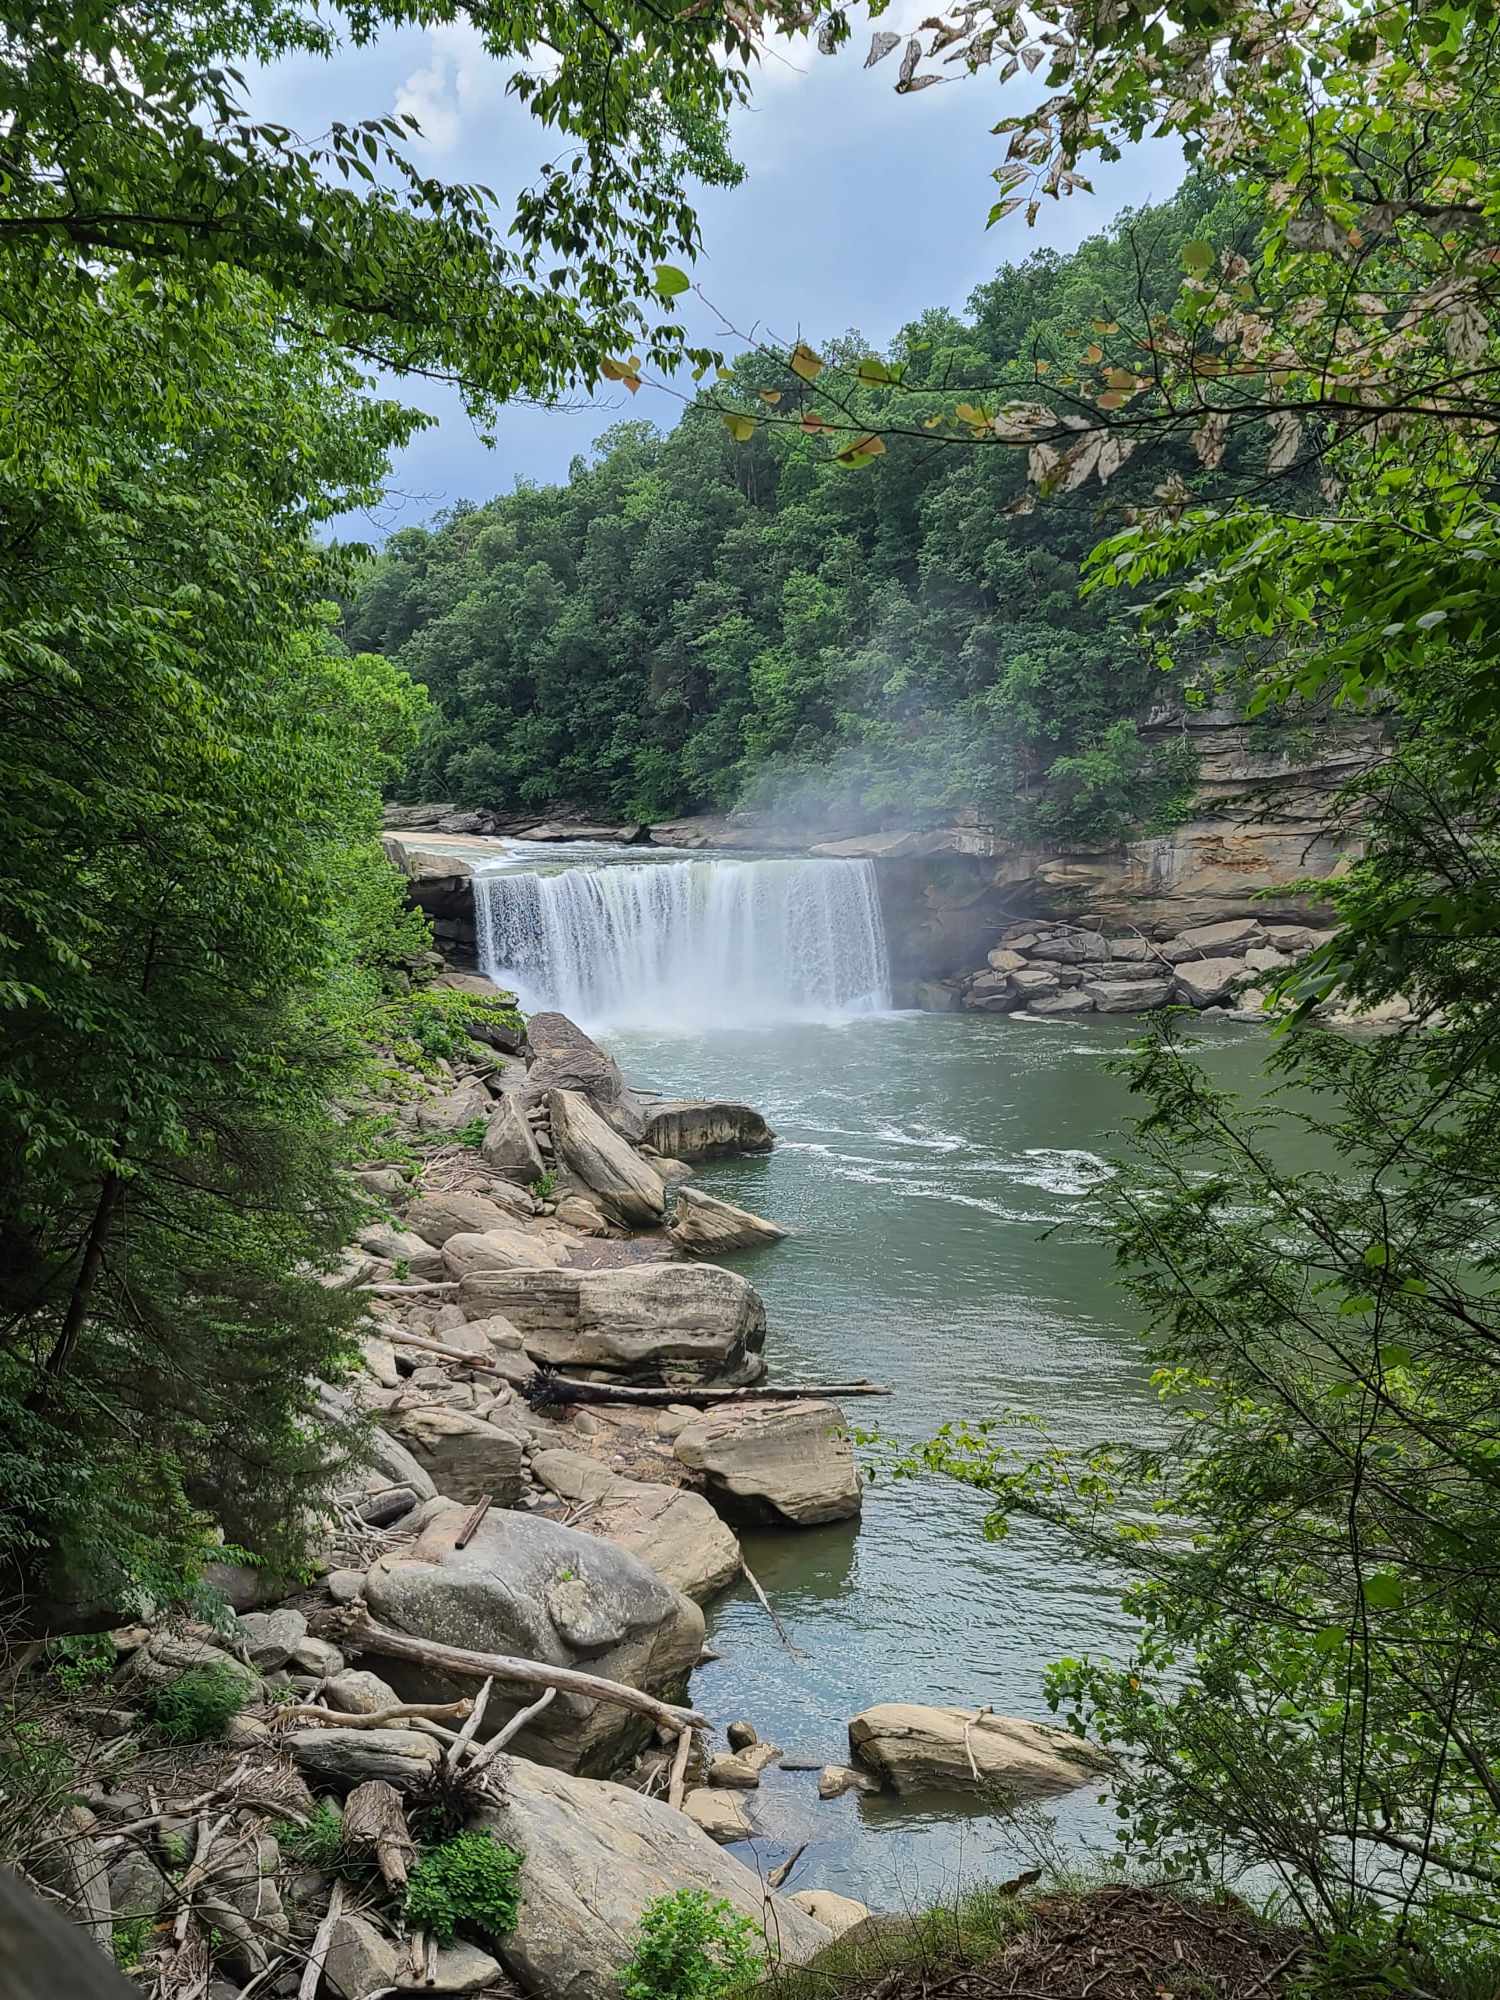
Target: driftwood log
[546, 1386]
[375, 1823]
[362, 1634]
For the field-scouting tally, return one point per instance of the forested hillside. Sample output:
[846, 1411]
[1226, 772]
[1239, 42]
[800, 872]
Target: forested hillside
[693, 621]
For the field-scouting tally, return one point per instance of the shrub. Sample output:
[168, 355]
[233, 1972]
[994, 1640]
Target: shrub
[128, 1939]
[690, 1946]
[80, 1662]
[471, 1879]
[318, 1844]
[198, 1705]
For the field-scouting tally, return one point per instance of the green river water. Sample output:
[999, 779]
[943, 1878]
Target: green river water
[933, 1169]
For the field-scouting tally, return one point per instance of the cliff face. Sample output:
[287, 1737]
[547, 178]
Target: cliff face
[1260, 820]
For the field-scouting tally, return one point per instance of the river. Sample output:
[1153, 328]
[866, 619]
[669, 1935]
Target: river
[930, 1166]
[933, 1170]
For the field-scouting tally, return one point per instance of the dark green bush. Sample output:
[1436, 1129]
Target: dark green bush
[199, 1705]
[471, 1879]
[691, 1946]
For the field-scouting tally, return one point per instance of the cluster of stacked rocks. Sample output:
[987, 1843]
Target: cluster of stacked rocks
[1045, 969]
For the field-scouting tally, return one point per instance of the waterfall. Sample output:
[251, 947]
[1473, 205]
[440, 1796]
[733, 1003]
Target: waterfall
[688, 944]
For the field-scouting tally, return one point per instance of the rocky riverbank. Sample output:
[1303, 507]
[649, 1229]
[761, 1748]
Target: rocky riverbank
[1226, 970]
[566, 1419]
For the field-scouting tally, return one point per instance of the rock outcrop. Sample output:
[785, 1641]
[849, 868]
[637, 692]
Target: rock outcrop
[528, 1586]
[625, 1185]
[508, 1144]
[650, 1323]
[676, 1532]
[786, 1464]
[563, 1057]
[705, 1226]
[464, 1456]
[436, 1217]
[913, 1747]
[700, 1128]
[596, 1855]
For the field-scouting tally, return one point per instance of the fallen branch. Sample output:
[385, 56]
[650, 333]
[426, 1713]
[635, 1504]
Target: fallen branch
[677, 1784]
[374, 1819]
[781, 1632]
[377, 1718]
[470, 1729]
[122, 1833]
[779, 1876]
[968, 1745]
[312, 1972]
[470, 1527]
[546, 1387]
[365, 1636]
[517, 1723]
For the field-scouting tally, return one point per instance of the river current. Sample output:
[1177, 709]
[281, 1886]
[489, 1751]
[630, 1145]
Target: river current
[933, 1169]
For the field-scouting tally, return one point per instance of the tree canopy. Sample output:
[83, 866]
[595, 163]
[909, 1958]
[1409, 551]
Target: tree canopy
[695, 621]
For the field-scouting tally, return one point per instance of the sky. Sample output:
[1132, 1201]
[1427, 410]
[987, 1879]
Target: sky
[859, 210]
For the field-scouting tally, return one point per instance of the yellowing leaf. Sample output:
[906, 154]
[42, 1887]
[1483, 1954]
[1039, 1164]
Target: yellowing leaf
[740, 428]
[811, 421]
[614, 371]
[1106, 325]
[1093, 352]
[772, 396]
[861, 451]
[872, 371]
[802, 361]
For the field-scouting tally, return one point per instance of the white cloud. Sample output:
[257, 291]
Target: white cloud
[460, 82]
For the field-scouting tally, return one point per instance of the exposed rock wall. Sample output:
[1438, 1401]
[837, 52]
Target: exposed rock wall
[1261, 819]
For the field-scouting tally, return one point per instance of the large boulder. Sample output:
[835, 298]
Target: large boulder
[564, 1058]
[454, 1109]
[628, 1188]
[700, 1128]
[499, 1249]
[914, 1747]
[1073, 1002]
[676, 1532]
[343, 1758]
[709, 1227]
[651, 1323]
[596, 1855]
[1071, 947]
[1215, 940]
[782, 1464]
[436, 1217]
[508, 1143]
[463, 1456]
[1128, 996]
[527, 1586]
[402, 1246]
[1202, 981]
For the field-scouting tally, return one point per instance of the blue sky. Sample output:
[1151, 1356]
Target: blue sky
[859, 209]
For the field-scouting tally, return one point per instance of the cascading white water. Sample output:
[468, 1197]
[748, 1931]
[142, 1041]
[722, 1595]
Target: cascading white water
[689, 944]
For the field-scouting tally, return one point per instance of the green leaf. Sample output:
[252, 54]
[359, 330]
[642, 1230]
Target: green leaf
[1198, 257]
[1384, 1591]
[671, 282]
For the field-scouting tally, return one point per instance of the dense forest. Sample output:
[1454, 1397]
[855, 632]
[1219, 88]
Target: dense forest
[692, 622]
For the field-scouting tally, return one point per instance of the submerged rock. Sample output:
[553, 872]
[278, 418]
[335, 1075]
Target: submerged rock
[709, 1227]
[527, 1586]
[596, 1855]
[720, 1815]
[912, 1746]
[786, 1464]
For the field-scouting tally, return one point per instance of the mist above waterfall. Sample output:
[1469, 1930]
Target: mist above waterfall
[688, 944]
